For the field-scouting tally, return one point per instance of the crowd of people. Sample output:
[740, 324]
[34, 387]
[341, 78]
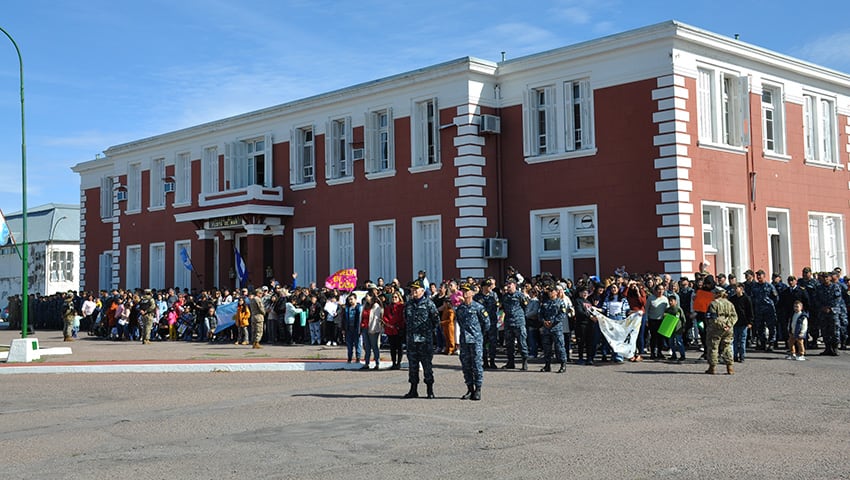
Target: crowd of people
[717, 317]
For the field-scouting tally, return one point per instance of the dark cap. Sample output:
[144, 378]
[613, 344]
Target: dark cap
[760, 272]
[807, 269]
[415, 284]
[466, 287]
[749, 272]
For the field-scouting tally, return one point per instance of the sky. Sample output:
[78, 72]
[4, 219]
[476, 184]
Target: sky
[99, 73]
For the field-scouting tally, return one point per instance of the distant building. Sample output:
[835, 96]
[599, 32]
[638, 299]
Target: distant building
[54, 251]
[664, 149]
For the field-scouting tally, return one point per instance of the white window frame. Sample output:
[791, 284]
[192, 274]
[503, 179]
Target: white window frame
[341, 255]
[379, 143]
[304, 254]
[723, 108]
[157, 188]
[428, 256]
[820, 134]
[133, 262]
[826, 249]
[61, 266]
[182, 275]
[783, 229]
[382, 249]
[338, 151]
[134, 188]
[570, 230]
[773, 120]
[104, 269]
[156, 266]
[240, 162]
[183, 179]
[209, 169]
[558, 120]
[302, 156]
[722, 231]
[425, 135]
[107, 197]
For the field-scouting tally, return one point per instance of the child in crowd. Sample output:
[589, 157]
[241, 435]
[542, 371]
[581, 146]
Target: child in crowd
[798, 330]
[676, 340]
[211, 323]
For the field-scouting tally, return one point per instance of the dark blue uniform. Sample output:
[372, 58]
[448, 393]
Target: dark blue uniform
[491, 304]
[513, 304]
[421, 318]
[473, 321]
[554, 312]
[764, 299]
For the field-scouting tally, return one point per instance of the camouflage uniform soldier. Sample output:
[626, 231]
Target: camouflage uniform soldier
[69, 314]
[719, 320]
[422, 319]
[473, 321]
[553, 313]
[490, 300]
[513, 304]
[147, 310]
[830, 302]
[764, 298]
[258, 316]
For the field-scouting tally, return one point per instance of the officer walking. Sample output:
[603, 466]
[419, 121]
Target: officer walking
[764, 299]
[513, 304]
[553, 313]
[490, 300]
[421, 318]
[147, 310]
[473, 321]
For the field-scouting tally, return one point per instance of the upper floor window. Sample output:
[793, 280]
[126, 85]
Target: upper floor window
[210, 170]
[426, 133]
[723, 108]
[248, 162]
[183, 179]
[559, 118]
[338, 153]
[380, 148]
[302, 158]
[157, 179]
[61, 266]
[107, 187]
[773, 119]
[134, 188]
[819, 125]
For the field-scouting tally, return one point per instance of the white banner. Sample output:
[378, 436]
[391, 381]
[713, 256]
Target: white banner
[621, 334]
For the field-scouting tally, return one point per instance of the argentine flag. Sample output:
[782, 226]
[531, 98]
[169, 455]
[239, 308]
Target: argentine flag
[5, 233]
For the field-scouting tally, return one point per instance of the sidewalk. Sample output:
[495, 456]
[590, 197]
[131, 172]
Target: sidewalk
[97, 355]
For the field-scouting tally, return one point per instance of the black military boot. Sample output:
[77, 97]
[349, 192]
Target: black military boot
[430, 390]
[486, 364]
[476, 394]
[547, 367]
[524, 367]
[493, 365]
[469, 390]
[509, 366]
[414, 391]
[563, 367]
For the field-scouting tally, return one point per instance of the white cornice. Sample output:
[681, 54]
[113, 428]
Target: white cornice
[246, 209]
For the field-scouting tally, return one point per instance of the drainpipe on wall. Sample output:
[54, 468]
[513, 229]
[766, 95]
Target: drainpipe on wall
[499, 210]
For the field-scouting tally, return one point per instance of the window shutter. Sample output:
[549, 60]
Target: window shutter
[330, 154]
[528, 133]
[436, 132]
[369, 142]
[744, 110]
[349, 149]
[828, 120]
[808, 126]
[420, 133]
[390, 140]
[293, 157]
[704, 110]
[269, 161]
[551, 121]
[569, 119]
[586, 114]
[228, 165]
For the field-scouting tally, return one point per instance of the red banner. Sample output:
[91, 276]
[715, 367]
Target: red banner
[343, 280]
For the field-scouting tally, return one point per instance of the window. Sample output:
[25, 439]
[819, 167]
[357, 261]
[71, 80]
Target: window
[104, 268]
[723, 108]
[210, 170]
[134, 188]
[248, 162]
[382, 251]
[342, 247]
[773, 120]
[550, 235]
[182, 275]
[107, 187]
[304, 254]
[380, 148]
[428, 247]
[426, 133]
[302, 158]
[134, 267]
[157, 266]
[559, 118]
[819, 124]
[183, 179]
[61, 266]
[338, 153]
[156, 178]
[724, 236]
[564, 240]
[826, 241]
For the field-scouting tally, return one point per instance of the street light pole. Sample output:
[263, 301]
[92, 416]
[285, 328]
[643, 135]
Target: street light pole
[25, 257]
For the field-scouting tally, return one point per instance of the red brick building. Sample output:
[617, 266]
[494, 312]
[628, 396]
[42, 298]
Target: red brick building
[659, 148]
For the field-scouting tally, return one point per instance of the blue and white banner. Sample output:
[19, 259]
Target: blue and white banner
[621, 334]
[225, 313]
[184, 257]
[5, 233]
[241, 269]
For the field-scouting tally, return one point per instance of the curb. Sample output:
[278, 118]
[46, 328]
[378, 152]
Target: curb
[189, 366]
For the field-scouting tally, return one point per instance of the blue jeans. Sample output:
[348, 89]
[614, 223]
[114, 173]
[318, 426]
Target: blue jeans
[352, 342]
[316, 332]
[371, 346]
[739, 341]
[677, 344]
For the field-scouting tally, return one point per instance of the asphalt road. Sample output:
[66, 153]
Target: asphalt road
[773, 419]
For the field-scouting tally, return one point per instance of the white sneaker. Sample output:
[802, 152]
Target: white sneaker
[790, 356]
[801, 358]
[328, 344]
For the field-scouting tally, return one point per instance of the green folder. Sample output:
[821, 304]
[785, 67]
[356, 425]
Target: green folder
[668, 325]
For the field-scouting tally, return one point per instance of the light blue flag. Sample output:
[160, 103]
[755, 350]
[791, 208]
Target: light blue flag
[225, 313]
[241, 269]
[5, 233]
[184, 257]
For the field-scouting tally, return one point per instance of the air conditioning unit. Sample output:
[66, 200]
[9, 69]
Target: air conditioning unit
[168, 187]
[490, 124]
[496, 248]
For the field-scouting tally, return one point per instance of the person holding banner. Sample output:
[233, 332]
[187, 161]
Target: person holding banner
[422, 320]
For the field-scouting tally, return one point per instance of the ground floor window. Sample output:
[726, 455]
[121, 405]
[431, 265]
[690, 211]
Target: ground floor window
[133, 264]
[382, 250]
[826, 241]
[182, 275]
[428, 247]
[304, 255]
[724, 238]
[564, 241]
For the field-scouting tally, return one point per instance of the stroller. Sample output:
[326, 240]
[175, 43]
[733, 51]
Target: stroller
[187, 327]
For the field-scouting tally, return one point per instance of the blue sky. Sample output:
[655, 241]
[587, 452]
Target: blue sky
[103, 72]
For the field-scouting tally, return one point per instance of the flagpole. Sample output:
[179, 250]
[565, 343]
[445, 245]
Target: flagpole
[25, 257]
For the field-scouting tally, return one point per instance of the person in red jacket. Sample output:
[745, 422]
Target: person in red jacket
[393, 320]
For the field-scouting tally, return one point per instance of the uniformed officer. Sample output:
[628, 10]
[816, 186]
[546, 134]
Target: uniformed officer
[553, 313]
[513, 304]
[842, 308]
[258, 316]
[830, 302]
[808, 282]
[719, 322]
[764, 299]
[473, 321]
[490, 300]
[69, 314]
[421, 318]
[147, 310]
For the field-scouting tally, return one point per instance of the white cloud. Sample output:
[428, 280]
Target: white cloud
[829, 50]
